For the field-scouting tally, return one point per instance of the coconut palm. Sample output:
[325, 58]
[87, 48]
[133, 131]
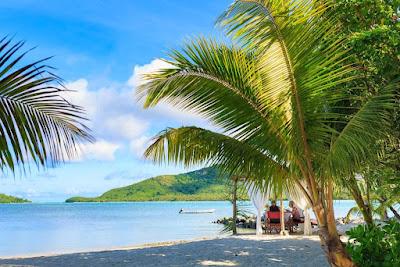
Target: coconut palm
[36, 124]
[277, 97]
[377, 190]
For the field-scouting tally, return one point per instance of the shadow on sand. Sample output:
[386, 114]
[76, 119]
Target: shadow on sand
[217, 252]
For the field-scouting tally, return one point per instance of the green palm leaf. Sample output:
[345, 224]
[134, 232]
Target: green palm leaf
[303, 73]
[353, 144]
[222, 83]
[37, 124]
[193, 146]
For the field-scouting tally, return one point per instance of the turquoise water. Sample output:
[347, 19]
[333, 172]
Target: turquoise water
[68, 227]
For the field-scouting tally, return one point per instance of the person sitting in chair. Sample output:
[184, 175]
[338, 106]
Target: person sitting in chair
[273, 206]
[296, 212]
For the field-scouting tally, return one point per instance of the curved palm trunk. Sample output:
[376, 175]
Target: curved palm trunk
[364, 208]
[328, 234]
[331, 243]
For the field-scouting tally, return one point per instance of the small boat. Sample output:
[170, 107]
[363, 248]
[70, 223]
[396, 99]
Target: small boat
[182, 211]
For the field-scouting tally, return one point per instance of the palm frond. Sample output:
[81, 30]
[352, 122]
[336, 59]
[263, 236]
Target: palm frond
[220, 82]
[37, 124]
[354, 144]
[300, 66]
[303, 71]
[193, 146]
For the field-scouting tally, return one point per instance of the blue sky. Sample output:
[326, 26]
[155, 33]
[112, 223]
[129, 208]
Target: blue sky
[100, 48]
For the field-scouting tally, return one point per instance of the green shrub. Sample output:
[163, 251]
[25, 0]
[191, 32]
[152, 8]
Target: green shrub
[375, 245]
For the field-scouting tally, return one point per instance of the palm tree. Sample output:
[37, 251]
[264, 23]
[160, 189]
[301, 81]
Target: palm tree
[36, 124]
[375, 187]
[376, 191]
[277, 97]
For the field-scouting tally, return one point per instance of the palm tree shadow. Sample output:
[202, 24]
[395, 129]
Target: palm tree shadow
[217, 252]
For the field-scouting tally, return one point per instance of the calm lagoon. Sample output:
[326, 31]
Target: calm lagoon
[42, 228]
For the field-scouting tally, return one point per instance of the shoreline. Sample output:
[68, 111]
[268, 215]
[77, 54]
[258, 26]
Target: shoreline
[246, 235]
[241, 250]
[110, 249]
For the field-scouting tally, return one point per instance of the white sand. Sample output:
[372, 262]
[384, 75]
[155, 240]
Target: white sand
[244, 250]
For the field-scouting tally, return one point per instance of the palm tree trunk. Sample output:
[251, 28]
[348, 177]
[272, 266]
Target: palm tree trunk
[330, 240]
[234, 205]
[364, 208]
[282, 217]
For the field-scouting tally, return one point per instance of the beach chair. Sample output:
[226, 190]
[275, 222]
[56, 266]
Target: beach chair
[273, 222]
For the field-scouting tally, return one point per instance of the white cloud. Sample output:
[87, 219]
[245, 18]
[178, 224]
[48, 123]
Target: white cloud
[79, 95]
[100, 150]
[126, 126]
[118, 121]
[113, 115]
[139, 145]
[137, 77]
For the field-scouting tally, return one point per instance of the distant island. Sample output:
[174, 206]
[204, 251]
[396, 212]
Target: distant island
[203, 184]
[6, 199]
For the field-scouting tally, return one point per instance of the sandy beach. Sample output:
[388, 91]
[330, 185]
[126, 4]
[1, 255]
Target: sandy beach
[244, 250]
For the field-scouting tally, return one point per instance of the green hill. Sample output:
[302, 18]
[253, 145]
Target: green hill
[10, 199]
[203, 184]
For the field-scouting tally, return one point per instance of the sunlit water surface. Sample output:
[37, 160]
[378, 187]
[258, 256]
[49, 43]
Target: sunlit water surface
[41, 228]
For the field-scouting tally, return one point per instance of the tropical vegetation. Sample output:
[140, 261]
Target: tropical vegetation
[284, 96]
[5, 199]
[375, 245]
[372, 31]
[200, 185]
[206, 184]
